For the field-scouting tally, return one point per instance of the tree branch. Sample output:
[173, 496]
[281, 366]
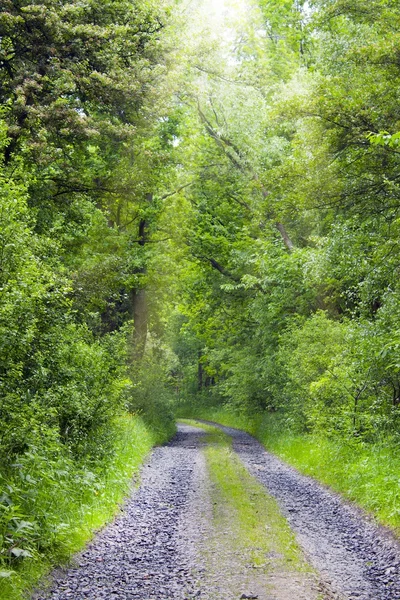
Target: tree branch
[179, 189]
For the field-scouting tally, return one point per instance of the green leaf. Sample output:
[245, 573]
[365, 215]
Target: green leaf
[20, 552]
[4, 574]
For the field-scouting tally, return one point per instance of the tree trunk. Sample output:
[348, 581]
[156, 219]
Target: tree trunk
[138, 297]
[199, 374]
[286, 239]
[140, 319]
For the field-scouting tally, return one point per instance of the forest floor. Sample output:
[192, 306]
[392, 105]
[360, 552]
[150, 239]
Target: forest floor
[216, 517]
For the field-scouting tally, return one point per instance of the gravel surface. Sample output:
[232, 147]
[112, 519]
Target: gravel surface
[142, 553]
[358, 559]
[151, 550]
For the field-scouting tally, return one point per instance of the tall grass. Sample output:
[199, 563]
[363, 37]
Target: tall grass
[50, 507]
[367, 474]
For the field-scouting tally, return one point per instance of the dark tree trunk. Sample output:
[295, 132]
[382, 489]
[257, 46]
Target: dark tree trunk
[140, 319]
[139, 305]
[200, 374]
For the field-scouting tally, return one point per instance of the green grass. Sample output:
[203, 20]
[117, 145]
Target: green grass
[75, 503]
[367, 474]
[249, 543]
[259, 525]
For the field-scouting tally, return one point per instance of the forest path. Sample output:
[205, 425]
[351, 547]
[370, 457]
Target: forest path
[200, 526]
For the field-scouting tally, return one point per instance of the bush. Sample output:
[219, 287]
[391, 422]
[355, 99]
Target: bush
[151, 394]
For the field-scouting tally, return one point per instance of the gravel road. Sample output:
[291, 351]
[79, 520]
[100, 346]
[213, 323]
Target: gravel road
[142, 554]
[358, 559]
[151, 550]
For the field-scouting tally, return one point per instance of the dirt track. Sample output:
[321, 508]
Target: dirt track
[157, 547]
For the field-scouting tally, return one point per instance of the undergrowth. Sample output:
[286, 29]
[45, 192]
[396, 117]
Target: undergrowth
[365, 473]
[50, 505]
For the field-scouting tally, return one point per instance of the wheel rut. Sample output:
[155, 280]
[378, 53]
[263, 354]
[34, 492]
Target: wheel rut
[356, 558]
[141, 554]
[172, 538]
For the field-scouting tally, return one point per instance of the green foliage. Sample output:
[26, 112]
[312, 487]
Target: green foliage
[384, 138]
[56, 380]
[77, 82]
[69, 68]
[291, 301]
[150, 394]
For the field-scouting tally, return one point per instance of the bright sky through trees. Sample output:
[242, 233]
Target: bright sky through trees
[220, 19]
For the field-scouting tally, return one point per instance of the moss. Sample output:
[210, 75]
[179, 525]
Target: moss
[255, 521]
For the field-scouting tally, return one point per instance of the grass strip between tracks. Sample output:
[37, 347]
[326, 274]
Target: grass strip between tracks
[367, 474]
[250, 535]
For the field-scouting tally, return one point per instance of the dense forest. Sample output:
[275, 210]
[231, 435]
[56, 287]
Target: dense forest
[199, 211]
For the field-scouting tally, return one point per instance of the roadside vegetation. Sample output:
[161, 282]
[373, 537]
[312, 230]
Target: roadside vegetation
[53, 504]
